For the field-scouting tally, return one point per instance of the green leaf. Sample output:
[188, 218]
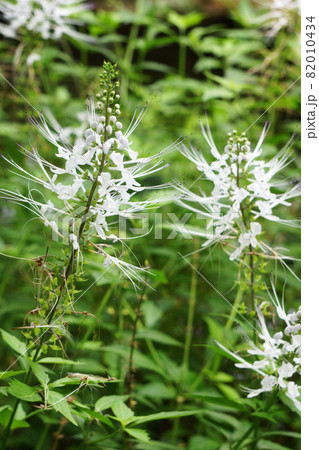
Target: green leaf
[229, 392]
[96, 415]
[163, 415]
[10, 373]
[66, 381]
[292, 434]
[23, 391]
[39, 371]
[5, 414]
[3, 391]
[226, 420]
[266, 416]
[121, 411]
[56, 360]
[94, 365]
[139, 434]
[157, 390]
[14, 342]
[222, 401]
[158, 336]
[152, 313]
[197, 442]
[182, 22]
[268, 445]
[207, 64]
[221, 377]
[60, 404]
[140, 360]
[104, 403]
[216, 92]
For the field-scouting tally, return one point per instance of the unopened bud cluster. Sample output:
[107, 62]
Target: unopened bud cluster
[238, 147]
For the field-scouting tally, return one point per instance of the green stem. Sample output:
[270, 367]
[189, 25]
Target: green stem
[251, 254]
[63, 284]
[98, 312]
[254, 426]
[182, 58]
[190, 320]
[233, 312]
[252, 278]
[215, 361]
[188, 337]
[130, 377]
[42, 437]
[129, 52]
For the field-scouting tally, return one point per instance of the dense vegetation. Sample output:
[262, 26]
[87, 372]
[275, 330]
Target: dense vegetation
[148, 357]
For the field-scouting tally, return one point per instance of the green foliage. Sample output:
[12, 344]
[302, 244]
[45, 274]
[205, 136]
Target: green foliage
[76, 389]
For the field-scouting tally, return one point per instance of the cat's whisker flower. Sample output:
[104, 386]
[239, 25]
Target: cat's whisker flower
[242, 191]
[98, 178]
[281, 15]
[278, 355]
[51, 19]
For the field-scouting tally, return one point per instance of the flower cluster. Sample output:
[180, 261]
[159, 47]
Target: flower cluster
[49, 18]
[280, 15]
[98, 176]
[241, 192]
[279, 356]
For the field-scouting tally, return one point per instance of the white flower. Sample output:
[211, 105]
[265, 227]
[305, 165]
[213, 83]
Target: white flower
[240, 191]
[68, 185]
[280, 15]
[74, 241]
[247, 239]
[49, 18]
[279, 357]
[32, 58]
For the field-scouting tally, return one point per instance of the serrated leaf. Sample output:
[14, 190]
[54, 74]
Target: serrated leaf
[10, 373]
[184, 21]
[138, 433]
[13, 342]
[96, 415]
[121, 411]
[3, 391]
[64, 382]
[58, 402]
[23, 391]
[39, 371]
[104, 403]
